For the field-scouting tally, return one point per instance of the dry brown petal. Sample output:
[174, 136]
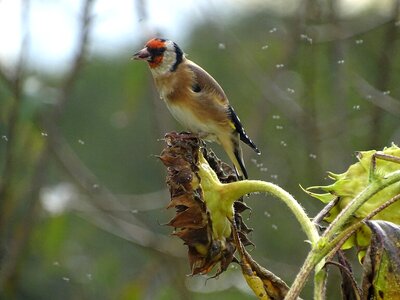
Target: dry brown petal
[191, 222]
[186, 200]
[191, 217]
[193, 237]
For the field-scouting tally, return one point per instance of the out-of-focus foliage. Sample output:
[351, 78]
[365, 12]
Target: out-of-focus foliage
[80, 207]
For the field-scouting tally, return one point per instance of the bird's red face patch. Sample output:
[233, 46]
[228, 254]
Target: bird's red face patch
[156, 47]
[155, 61]
[156, 43]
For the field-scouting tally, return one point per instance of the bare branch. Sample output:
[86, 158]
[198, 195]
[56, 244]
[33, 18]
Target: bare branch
[6, 77]
[79, 60]
[14, 83]
[325, 211]
[377, 97]
[29, 200]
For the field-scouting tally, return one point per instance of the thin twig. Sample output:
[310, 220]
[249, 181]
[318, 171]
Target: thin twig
[78, 61]
[22, 231]
[325, 211]
[14, 83]
[6, 78]
[30, 199]
[346, 271]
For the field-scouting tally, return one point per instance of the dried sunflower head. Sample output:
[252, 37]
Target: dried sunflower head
[207, 233]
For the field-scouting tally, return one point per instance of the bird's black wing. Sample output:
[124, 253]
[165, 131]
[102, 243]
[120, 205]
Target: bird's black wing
[239, 128]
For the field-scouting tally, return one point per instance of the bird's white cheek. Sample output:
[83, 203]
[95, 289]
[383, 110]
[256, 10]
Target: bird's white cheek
[165, 67]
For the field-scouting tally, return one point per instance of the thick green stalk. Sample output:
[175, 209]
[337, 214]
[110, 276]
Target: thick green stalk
[320, 278]
[324, 245]
[237, 189]
[302, 276]
[358, 201]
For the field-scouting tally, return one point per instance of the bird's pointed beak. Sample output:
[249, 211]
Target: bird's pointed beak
[143, 54]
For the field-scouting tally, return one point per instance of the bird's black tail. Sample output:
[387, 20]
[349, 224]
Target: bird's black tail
[239, 157]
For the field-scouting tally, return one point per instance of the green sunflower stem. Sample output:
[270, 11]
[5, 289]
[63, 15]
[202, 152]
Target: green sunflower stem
[221, 197]
[320, 278]
[302, 277]
[320, 248]
[234, 190]
[373, 188]
[333, 236]
[237, 189]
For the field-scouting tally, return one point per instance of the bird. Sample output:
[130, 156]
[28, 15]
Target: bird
[195, 99]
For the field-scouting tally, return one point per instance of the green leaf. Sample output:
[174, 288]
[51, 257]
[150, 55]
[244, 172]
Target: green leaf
[324, 197]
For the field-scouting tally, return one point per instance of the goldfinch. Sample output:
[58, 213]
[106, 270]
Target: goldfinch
[195, 99]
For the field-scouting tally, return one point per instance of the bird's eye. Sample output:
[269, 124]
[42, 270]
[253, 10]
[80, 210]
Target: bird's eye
[157, 51]
[196, 88]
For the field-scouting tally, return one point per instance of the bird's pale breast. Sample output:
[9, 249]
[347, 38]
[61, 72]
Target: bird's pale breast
[185, 116]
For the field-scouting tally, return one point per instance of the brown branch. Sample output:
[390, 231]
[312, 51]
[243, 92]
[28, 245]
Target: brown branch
[14, 83]
[6, 77]
[382, 101]
[346, 272]
[325, 211]
[19, 240]
[21, 233]
[78, 62]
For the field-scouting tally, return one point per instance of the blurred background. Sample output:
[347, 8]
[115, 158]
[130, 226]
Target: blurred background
[82, 192]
